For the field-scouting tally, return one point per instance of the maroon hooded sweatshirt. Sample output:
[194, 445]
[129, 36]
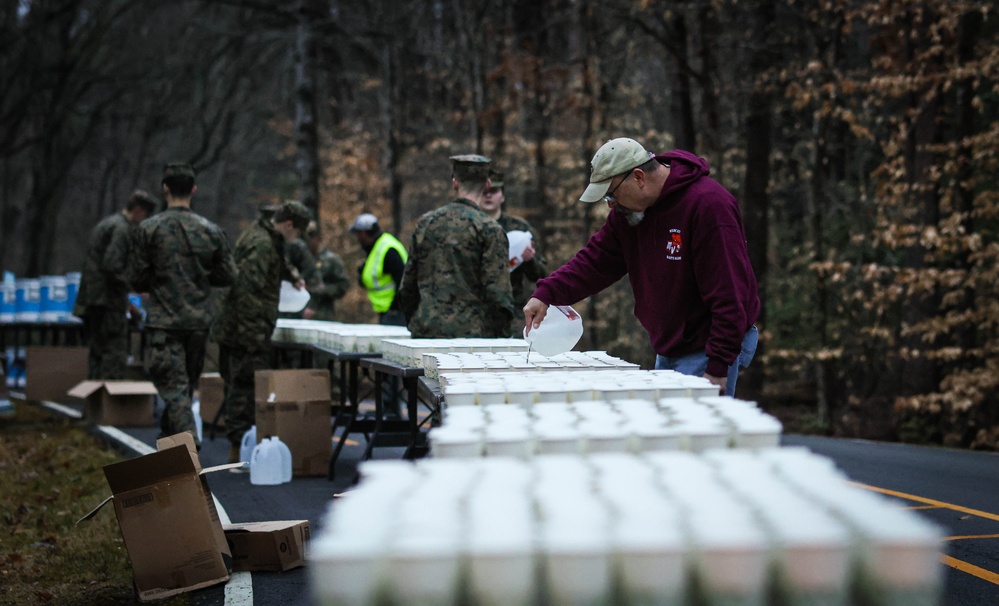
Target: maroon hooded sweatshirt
[694, 287]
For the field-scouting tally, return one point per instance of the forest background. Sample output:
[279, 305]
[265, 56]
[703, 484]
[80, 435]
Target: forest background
[861, 137]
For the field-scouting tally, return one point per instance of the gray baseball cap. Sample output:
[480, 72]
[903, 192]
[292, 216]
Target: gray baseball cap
[364, 222]
[615, 157]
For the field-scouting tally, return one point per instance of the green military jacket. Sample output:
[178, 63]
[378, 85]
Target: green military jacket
[456, 282]
[332, 284]
[104, 282]
[250, 311]
[528, 271]
[180, 256]
[300, 257]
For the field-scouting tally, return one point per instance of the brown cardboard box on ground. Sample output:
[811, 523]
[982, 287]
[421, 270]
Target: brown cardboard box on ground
[168, 520]
[294, 405]
[271, 546]
[211, 392]
[52, 371]
[118, 403]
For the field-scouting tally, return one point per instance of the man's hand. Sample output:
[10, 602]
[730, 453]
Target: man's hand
[534, 313]
[308, 313]
[528, 253]
[721, 382]
[300, 284]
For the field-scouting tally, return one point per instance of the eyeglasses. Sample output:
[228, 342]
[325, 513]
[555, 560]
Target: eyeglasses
[609, 196]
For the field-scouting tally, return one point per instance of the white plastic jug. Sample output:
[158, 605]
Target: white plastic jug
[246, 446]
[265, 464]
[558, 332]
[285, 453]
[291, 299]
[519, 241]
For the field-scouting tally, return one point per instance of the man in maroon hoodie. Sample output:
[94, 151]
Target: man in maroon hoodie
[679, 237]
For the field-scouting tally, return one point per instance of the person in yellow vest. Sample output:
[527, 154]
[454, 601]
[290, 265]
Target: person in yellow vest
[381, 273]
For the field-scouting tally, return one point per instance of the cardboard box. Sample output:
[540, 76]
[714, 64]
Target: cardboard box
[211, 392]
[272, 546]
[118, 403]
[294, 405]
[168, 520]
[52, 371]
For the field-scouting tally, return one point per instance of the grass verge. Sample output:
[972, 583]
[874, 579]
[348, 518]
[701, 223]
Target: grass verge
[52, 474]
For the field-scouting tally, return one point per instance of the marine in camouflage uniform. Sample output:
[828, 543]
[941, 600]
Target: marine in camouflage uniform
[102, 300]
[180, 256]
[332, 281]
[530, 270]
[250, 313]
[456, 282]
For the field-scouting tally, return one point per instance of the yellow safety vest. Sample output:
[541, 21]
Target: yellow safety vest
[381, 288]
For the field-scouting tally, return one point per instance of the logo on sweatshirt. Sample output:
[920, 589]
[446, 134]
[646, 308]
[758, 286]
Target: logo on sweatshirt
[675, 245]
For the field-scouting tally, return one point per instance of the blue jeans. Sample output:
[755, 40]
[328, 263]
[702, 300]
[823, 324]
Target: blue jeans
[697, 363]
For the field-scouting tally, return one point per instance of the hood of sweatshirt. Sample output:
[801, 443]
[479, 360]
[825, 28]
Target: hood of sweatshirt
[684, 168]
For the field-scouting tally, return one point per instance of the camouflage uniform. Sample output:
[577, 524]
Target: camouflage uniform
[456, 282]
[179, 257]
[332, 284]
[103, 295]
[248, 318]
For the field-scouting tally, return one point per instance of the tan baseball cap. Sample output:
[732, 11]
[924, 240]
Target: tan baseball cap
[615, 157]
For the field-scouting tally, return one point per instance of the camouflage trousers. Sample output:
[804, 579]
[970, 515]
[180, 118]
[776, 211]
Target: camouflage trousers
[107, 334]
[175, 359]
[237, 365]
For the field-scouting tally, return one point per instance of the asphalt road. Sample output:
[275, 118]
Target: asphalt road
[957, 489]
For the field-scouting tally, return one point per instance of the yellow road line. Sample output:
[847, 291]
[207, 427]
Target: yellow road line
[935, 503]
[972, 536]
[975, 571]
[965, 567]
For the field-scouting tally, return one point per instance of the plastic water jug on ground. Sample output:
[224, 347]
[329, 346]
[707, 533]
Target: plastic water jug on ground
[291, 299]
[246, 446]
[269, 462]
[285, 453]
[558, 332]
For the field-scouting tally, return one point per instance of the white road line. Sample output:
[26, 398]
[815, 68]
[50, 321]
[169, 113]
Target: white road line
[128, 441]
[65, 411]
[239, 589]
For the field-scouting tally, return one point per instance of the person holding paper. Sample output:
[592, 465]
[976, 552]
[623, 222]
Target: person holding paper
[531, 265]
[250, 312]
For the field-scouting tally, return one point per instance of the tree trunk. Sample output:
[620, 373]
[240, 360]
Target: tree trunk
[306, 129]
[683, 105]
[756, 199]
[919, 374]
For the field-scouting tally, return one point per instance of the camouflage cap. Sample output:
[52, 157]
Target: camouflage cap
[496, 177]
[293, 211]
[141, 197]
[178, 169]
[470, 166]
[266, 210]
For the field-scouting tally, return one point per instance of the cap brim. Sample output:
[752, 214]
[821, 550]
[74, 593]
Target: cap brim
[595, 191]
